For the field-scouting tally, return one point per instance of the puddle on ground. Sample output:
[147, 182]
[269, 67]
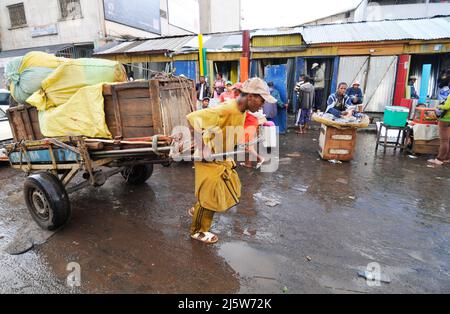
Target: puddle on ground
[258, 270]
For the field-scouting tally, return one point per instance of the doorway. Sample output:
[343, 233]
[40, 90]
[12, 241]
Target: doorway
[228, 69]
[439, 64]
[327, 64]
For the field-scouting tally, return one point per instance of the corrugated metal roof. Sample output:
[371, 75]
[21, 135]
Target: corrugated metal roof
[216, 42]
[118, 48]
[180, 44]
[223, 41]
[411, 29]
[157, 44]
[161, 44]
[22, 52]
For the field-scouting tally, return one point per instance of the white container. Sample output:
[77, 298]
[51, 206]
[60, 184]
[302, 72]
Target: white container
[269, 134]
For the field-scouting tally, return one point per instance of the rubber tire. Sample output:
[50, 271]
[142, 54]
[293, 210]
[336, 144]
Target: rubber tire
[167, 164]
[137, 175]
[56, 197]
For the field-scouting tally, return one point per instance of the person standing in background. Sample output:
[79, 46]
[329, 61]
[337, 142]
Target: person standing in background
[203, 90]
[219, 85]
[281, 118]
[444, 86]
[319, 85]
[251, 127]
[300, 82]
[355, 93]
[305, 105]
[131, 76]
[412, 81]
[444, 133]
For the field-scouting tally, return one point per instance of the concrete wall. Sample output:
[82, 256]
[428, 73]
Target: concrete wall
[220, 16]
[116, 30]
[373, 11]
[47, 12]
[205, 16]
[90, 28]
[225, 15]
[338, 18]
[169, 29]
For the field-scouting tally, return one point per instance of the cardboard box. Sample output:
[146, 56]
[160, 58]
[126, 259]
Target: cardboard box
[336, 143]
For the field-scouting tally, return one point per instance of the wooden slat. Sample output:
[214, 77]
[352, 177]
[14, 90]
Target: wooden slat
[37, 129]
[171, 87]
[131, 85]
[10, 116]
[145, 121]
[137, 131]
[118, 118]
[24, 123]
[135, 106]
[165, 102]
[134, 93]
[27, 123]
[107, 89]
[155, 104]
[194, 97]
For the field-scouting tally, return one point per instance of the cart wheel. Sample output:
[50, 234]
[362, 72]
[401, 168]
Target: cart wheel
[167, 164]
[47, 200]
[138, 174]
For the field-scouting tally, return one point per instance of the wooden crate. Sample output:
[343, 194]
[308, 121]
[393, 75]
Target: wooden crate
[142, 109]
[426, 147]
[336, 143]
[24, 123]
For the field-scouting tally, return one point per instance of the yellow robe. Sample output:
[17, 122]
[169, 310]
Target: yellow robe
[217, 184]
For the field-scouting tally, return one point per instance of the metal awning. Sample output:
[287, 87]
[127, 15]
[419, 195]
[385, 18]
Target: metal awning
[47, 49]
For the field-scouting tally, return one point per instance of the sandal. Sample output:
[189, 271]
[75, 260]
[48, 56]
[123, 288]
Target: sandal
[436, 162]
[205, 237]
[259, 164]
[191, 211]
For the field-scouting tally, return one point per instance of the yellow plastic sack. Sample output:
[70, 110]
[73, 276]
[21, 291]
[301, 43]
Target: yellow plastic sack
[25, 74]
[38, 59]
[73, 75]
[82, 115]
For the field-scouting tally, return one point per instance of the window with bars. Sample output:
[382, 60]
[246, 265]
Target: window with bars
[70, 9]
[17, 15]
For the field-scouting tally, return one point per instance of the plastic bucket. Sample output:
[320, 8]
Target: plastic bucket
[396, 115]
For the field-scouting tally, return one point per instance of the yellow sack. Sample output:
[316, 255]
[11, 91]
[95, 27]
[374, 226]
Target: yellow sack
[82, 115]
[38, 59]
[73, 75]
[25, 74]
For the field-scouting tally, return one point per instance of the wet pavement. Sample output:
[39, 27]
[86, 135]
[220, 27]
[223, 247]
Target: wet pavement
[332, 220]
